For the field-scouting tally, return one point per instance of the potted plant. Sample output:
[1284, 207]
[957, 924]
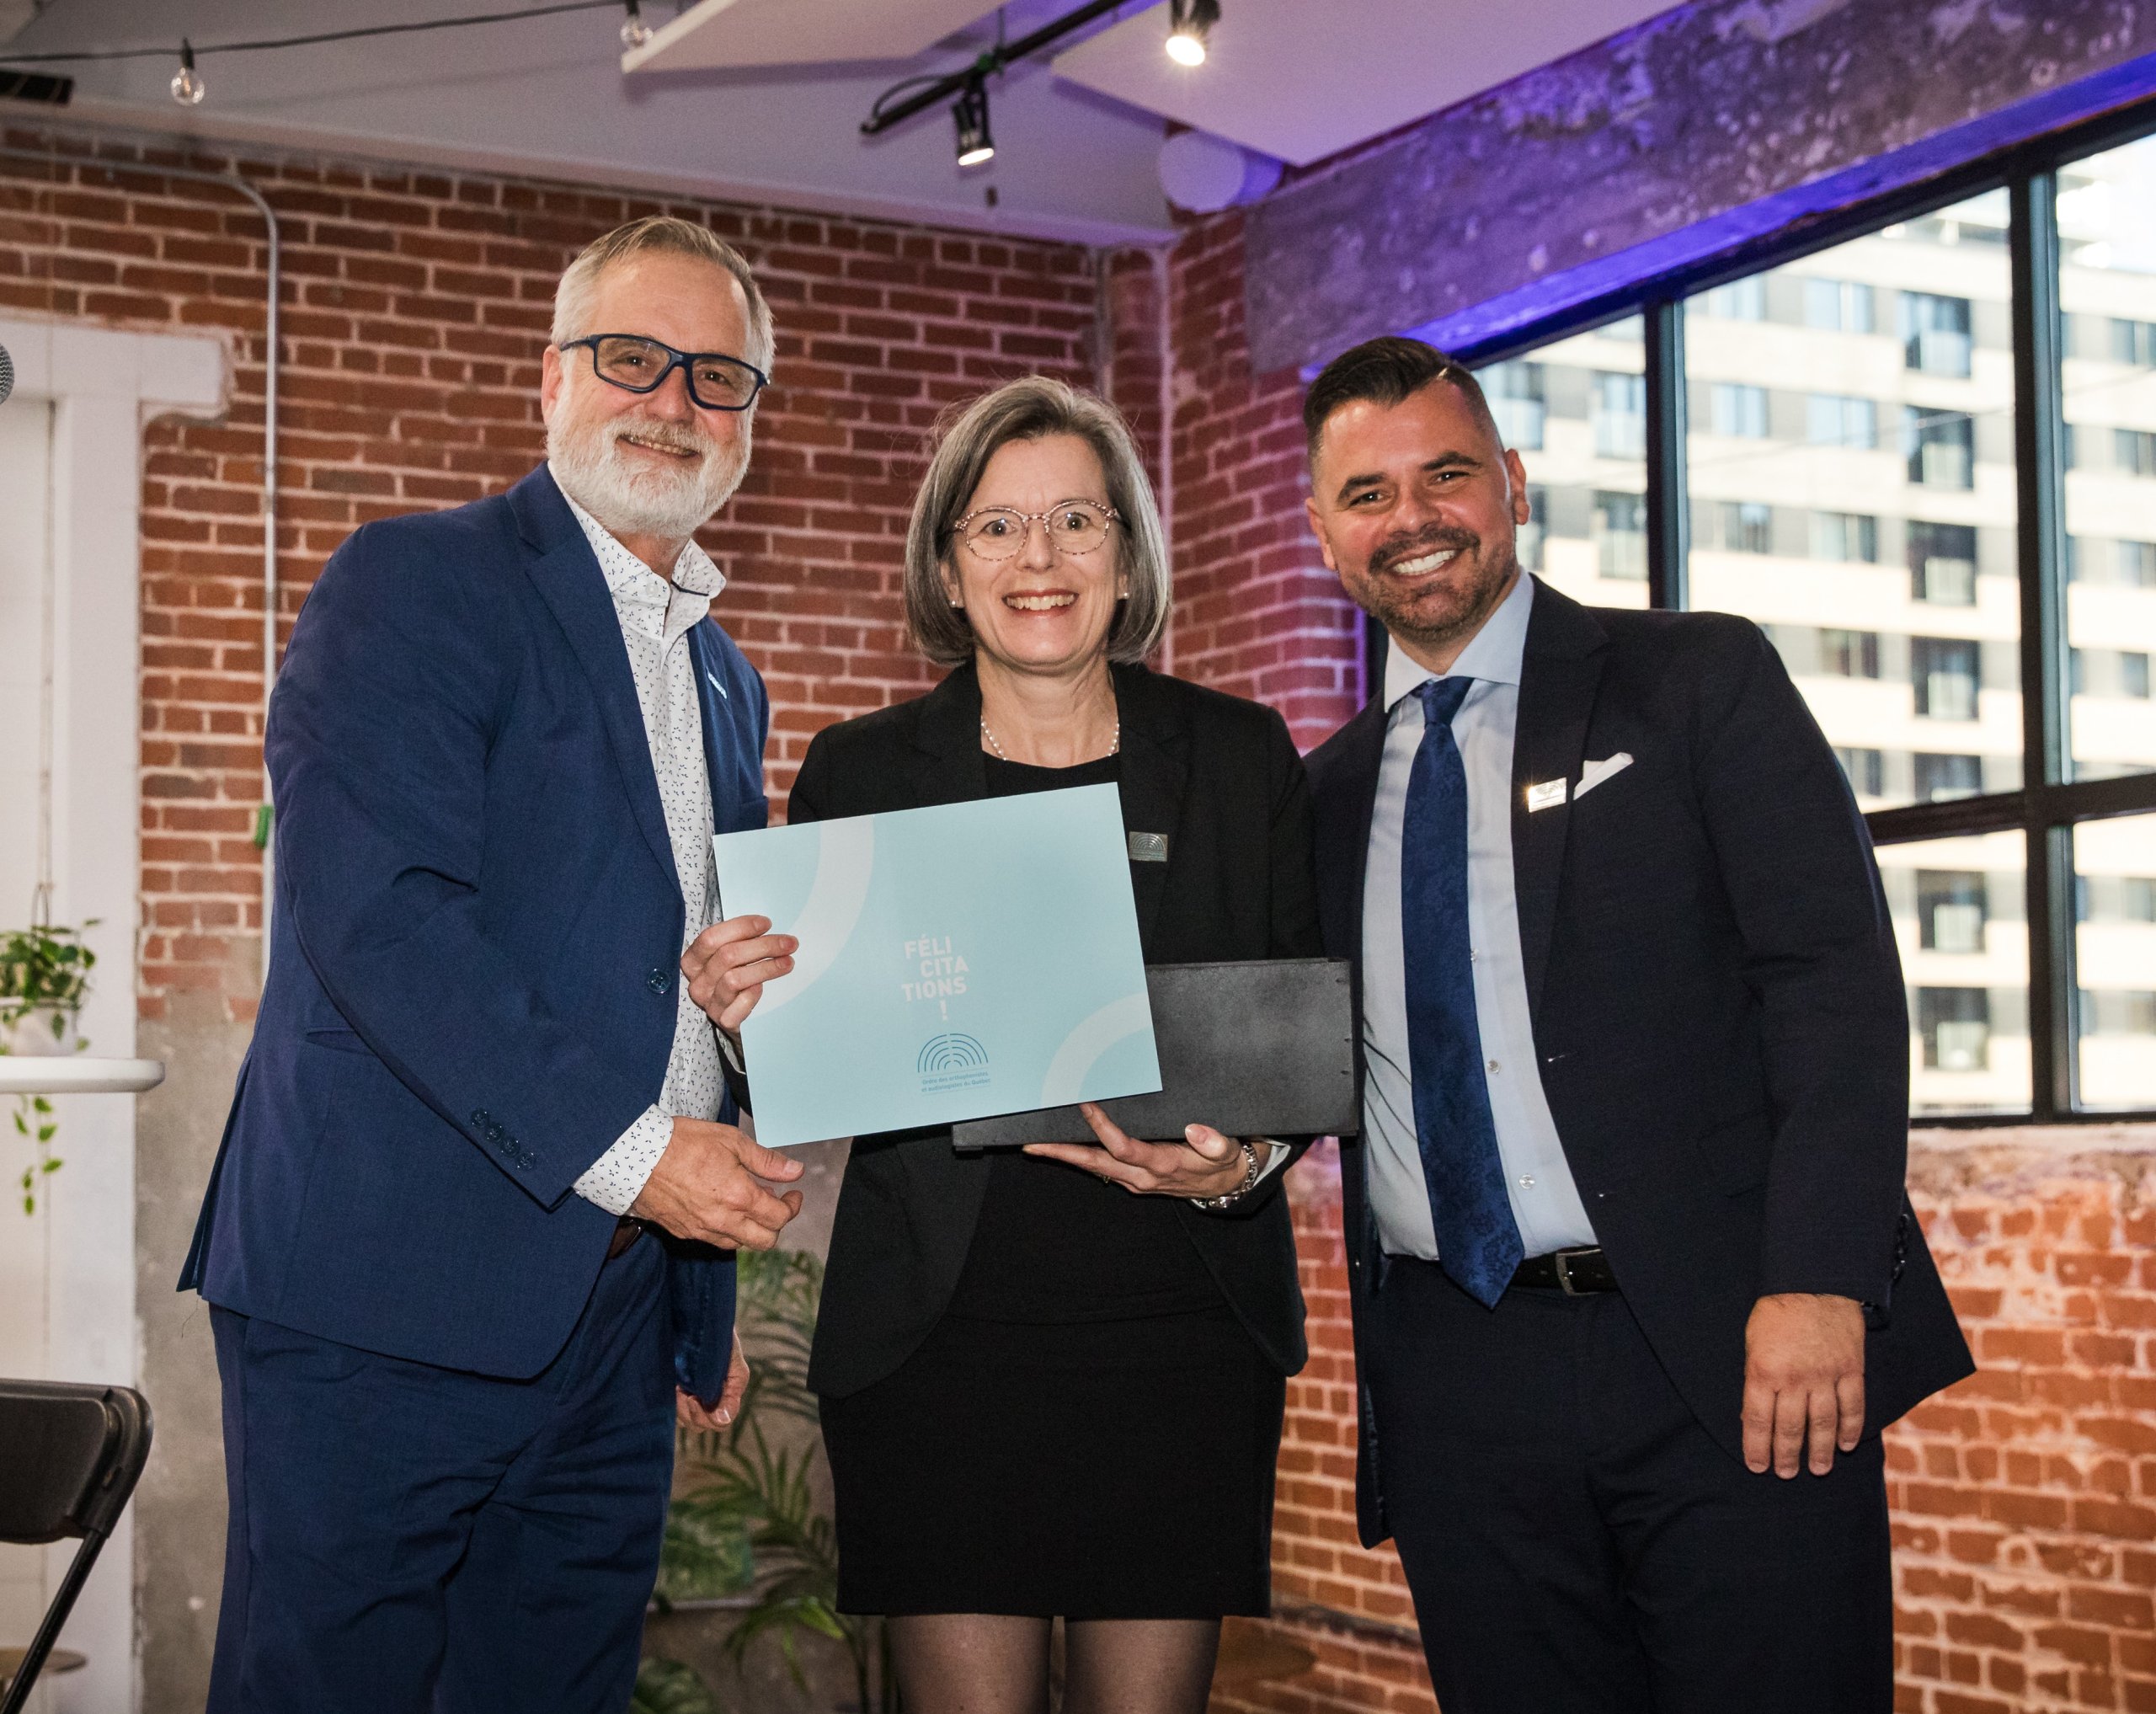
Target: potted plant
[747, 1533]
[44, 977]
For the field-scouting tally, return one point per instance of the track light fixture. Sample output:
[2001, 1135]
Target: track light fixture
[1190, 22]
[187, 86]
[970, 112]
[635, 32]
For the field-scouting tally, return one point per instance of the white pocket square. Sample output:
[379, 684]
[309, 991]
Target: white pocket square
[1595, 772]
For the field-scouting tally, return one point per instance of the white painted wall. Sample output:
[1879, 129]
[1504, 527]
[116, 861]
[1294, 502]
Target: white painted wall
[71, 457]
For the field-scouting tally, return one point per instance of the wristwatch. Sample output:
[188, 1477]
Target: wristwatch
[1250, 1173]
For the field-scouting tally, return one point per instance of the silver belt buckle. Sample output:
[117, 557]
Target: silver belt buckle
[1562, 1260]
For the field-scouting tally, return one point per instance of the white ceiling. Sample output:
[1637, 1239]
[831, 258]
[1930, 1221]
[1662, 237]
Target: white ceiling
[1301, 80]
[762, 100]
[737, 33]
[548, 99]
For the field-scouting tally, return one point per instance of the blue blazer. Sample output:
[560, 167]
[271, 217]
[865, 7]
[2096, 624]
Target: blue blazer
[475, 947]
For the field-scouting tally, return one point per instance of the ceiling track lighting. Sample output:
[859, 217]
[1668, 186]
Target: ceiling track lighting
[1190, 24]
[635, 32]
[187, 86]
[969, 113]
[895, 104]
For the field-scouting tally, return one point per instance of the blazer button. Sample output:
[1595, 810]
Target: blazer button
[658, 980]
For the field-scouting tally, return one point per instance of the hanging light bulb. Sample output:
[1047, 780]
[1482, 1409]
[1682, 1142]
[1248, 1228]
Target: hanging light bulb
[635, 32]
[1190, 22]
[970, 113]
[187, 86]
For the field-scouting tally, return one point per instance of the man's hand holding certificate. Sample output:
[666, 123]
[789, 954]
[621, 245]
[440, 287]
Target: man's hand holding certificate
[952, 961]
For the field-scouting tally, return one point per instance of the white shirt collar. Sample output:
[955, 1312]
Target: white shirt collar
[627, 577]
[1494, 654]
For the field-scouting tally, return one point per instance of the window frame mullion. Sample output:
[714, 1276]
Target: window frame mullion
[1669, 499]
[2039, 435]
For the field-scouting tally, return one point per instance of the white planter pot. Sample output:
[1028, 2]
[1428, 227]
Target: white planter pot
[33, 1035]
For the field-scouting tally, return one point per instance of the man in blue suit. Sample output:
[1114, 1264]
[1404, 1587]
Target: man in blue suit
[467, 1241]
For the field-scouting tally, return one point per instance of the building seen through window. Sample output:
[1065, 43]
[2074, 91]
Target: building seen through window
[1959, 914]
[1831, 527]
[2107, 291]
[1851, 485]
[2114, 961]
[1577, 412]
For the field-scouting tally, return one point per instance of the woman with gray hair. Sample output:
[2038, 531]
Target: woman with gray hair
[1051, 1382]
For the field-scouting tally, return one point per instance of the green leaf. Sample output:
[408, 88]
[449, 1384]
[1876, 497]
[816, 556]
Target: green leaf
[668, 1687]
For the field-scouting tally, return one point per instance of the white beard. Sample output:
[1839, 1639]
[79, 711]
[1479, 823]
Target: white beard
[642, 500]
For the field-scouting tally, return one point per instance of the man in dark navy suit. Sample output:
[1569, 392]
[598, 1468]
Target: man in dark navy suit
[468, 1239]
[1635, 1279]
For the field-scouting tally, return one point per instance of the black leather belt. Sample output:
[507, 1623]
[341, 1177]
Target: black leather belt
[1573, 1272]
[625, 1235]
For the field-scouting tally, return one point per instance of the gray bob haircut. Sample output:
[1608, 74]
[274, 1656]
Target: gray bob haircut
[663, 233]
[1033, 409]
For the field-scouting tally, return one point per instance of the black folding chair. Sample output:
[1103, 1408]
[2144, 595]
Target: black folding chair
[69, 1458]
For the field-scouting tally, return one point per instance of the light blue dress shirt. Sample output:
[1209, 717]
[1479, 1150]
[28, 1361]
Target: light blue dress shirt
[1546, 1202]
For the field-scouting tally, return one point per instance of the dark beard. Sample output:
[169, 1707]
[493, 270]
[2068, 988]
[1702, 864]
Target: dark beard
[1448, 608]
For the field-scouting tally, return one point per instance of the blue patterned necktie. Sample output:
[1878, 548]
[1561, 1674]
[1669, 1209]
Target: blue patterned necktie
[1478, 1243]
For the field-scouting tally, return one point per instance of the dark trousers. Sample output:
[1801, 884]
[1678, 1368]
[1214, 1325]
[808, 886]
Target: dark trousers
[1575, 1541]
[409, 1539]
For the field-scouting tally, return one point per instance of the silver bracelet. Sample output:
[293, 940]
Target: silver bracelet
[1243, 1189]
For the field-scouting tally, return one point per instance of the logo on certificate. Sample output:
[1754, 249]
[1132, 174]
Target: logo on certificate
[951, 1061]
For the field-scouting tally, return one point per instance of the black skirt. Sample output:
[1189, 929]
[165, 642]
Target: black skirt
[1090, 1470]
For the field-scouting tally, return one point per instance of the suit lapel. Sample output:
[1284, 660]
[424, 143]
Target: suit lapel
[1346, 798]
[1155, 774]
[737, 798]
[566, 573]
[946, 763]
[1559, 677]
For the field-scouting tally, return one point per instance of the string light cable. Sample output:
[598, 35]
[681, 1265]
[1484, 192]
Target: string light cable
[187, 82]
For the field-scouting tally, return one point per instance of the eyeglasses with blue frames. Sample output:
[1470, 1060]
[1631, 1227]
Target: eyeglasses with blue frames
[717, 381]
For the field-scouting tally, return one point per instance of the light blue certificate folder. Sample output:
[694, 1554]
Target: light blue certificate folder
[955, 962]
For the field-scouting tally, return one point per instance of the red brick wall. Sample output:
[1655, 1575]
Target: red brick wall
[2024, 1499]
[416, 306]
[1256, 612]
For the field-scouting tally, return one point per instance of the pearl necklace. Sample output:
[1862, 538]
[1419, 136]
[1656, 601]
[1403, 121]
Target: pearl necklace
[1115, 740]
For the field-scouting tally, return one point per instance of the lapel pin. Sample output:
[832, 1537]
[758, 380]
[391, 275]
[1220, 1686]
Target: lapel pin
[1148, 847]
[1547, 796]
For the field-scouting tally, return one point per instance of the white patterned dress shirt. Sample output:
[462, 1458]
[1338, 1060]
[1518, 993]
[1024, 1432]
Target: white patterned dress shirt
[1547, 1204]
[656, 618]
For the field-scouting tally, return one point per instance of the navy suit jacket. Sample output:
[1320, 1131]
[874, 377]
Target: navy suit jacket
[474, 953]
[1715, 995]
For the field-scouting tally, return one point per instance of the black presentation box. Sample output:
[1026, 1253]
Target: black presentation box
[1262, 1048]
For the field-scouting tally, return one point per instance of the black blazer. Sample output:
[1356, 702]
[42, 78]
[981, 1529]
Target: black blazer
[1219, 776]
[1716, 993]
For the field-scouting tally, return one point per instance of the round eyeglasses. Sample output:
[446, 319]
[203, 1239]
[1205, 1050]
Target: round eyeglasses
[1072, 526]
[630, 361]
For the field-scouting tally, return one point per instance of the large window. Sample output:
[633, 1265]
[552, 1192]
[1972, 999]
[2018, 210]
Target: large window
[1921, 456]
